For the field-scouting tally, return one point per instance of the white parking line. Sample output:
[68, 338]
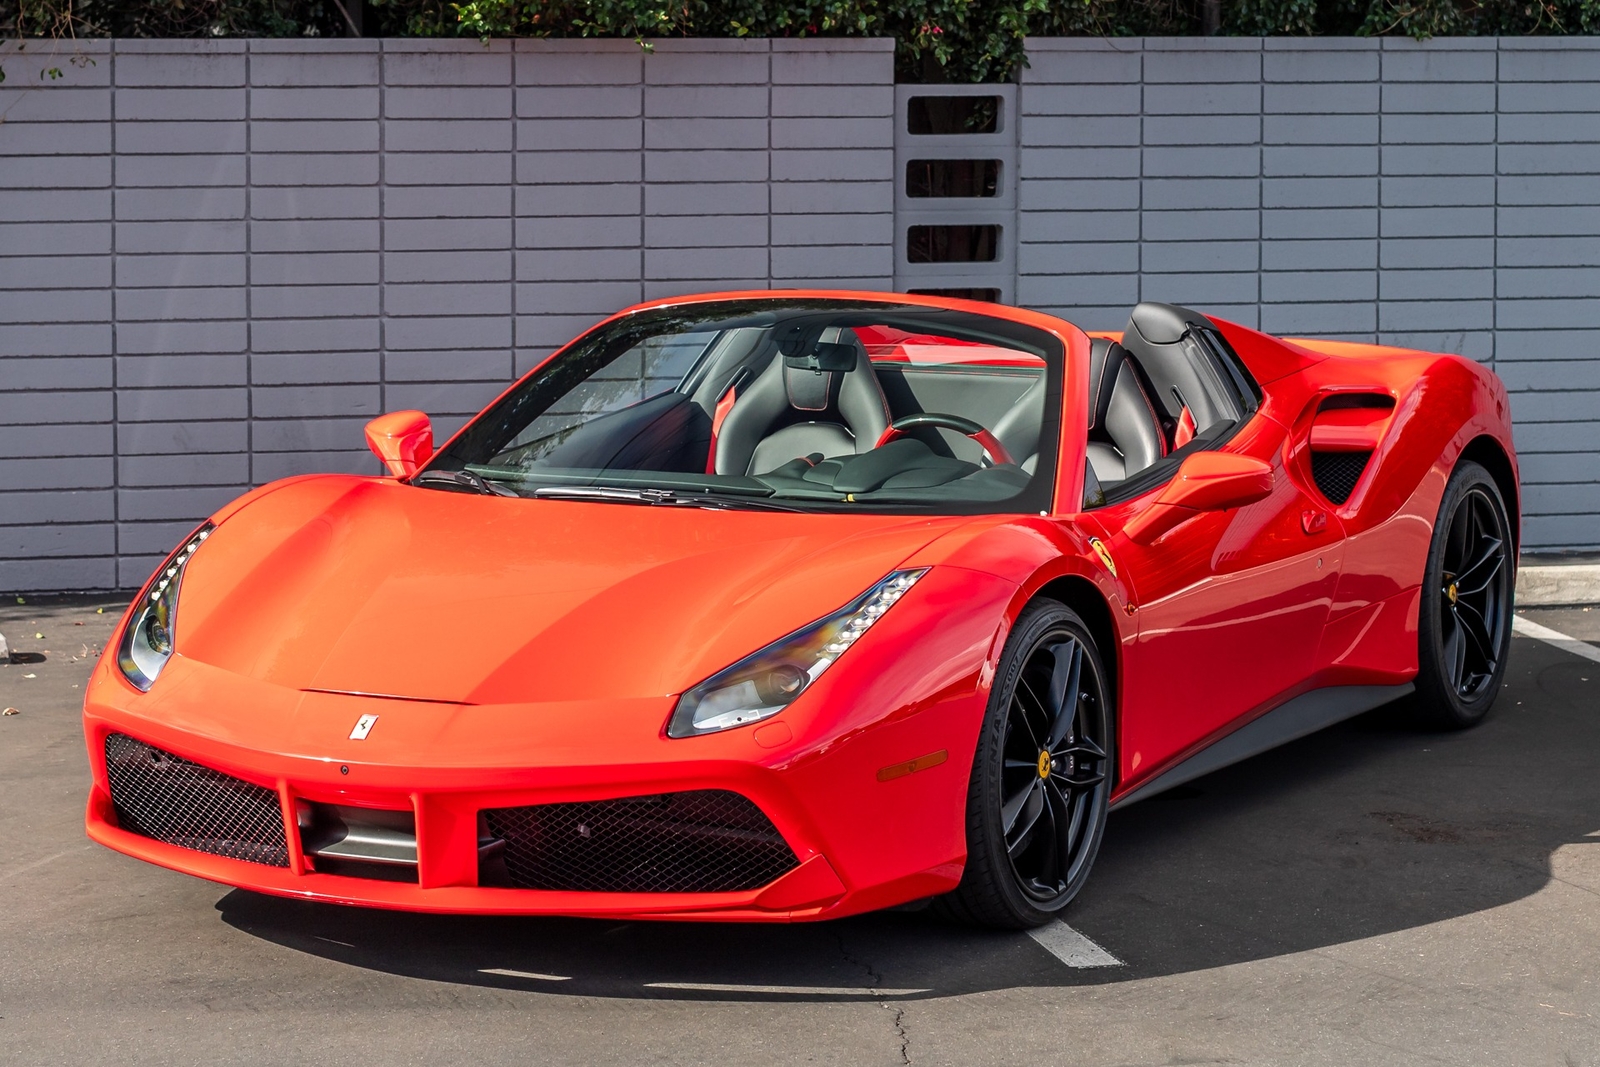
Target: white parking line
[506, 972]
[798, 990]
[1529, 628]
[1071, 947]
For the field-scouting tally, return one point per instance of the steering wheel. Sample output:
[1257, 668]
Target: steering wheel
[992, 448]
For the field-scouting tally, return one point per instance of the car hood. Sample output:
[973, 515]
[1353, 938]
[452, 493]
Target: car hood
[363, 585]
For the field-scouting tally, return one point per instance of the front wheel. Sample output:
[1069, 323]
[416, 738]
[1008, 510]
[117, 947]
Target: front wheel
[1464, 623]
[1041, 777]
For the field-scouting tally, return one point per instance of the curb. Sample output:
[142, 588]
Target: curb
[1551, 586]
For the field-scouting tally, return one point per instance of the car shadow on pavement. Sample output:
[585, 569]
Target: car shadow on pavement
[1363, 830]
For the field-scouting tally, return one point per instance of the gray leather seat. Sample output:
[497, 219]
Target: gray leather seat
[1125, 433]
[789, 412]
[1018, 429]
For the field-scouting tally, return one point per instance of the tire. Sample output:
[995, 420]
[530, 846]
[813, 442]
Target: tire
[1036, 803]
[1464, 623]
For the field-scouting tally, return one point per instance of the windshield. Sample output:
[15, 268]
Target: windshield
[806, 404]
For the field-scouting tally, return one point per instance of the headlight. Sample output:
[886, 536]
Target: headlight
[147, 642]
[764, 683]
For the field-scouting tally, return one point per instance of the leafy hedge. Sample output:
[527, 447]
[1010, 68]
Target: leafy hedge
[956, 40]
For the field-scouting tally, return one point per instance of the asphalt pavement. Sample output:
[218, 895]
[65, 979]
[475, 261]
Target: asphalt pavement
[1373, 894]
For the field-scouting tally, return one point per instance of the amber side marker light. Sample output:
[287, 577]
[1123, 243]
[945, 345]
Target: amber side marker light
[912, 766]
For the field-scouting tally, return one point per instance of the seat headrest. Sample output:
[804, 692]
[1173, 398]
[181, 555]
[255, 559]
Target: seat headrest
[1105, 361]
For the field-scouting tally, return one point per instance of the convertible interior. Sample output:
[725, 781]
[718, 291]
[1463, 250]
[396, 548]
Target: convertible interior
[823, 404]
[1167, 387]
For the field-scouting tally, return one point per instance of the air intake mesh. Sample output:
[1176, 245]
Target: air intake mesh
[171, 799]
[1337, 473]
[706, 841]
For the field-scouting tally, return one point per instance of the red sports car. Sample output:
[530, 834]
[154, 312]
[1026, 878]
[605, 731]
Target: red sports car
[792, 605]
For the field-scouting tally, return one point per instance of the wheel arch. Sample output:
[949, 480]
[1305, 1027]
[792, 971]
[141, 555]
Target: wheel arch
[1085, 598]
[1488, 453]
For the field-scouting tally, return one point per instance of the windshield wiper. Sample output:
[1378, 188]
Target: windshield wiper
[737, 503]
[466, 480]
[604, 492]
[626, 495]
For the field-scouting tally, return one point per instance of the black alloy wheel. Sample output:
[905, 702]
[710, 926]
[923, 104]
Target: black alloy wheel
[1041, 778]
[1465, 626]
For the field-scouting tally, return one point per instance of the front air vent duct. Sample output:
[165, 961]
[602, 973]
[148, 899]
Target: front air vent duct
[168, 798]
[704, 841]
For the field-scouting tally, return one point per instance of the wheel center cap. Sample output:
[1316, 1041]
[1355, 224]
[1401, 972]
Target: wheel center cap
[1044, 765]
[1450, 591]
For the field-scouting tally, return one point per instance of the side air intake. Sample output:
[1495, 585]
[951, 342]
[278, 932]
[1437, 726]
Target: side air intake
[1336, 473]
[1344, 435]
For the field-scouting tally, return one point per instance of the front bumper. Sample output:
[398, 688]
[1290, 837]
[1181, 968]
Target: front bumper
[296, 745]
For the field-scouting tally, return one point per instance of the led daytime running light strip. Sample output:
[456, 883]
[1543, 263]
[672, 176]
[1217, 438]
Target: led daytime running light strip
[146, 643]
[856, 624]
[176, 566]
[768, 680]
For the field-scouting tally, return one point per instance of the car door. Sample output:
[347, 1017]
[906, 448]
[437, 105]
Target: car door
[1229, 606]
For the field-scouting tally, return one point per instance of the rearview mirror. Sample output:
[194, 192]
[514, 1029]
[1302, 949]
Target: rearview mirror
[1207, 481]
[826, 356]
[402, 439]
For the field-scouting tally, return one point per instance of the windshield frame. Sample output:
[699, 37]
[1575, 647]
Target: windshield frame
[498, 424]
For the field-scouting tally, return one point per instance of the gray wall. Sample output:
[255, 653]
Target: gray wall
[217, 260]
[1443, 195]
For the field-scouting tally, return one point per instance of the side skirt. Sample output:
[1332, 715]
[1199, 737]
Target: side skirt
[1305, 714]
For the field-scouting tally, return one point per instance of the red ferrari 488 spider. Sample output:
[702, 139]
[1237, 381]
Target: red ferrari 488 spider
[791, 605]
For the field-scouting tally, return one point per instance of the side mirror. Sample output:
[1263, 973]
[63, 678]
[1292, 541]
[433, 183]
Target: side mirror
[1207, 481]
[402, 439]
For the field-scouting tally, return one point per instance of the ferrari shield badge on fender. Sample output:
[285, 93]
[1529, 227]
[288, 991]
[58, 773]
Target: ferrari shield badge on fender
[363, 727]
[1104, 554]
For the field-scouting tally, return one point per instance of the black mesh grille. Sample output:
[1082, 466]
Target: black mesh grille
[178, 801]
[707, 841]
[1337, 473]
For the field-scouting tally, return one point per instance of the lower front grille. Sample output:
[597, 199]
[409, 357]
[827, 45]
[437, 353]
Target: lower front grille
[705, 841]
[168, 798]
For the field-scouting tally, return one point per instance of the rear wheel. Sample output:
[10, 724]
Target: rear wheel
[1041, 777]
[1464, 625]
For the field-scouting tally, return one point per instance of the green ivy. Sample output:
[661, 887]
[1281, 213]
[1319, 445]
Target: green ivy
[938, 40]
[173, 18]
[959, 40]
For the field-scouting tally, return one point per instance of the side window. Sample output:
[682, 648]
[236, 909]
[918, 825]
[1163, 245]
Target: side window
[1094, 496]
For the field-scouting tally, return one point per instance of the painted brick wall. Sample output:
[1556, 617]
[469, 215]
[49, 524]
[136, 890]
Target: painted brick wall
[219, 259]
[1443, 195]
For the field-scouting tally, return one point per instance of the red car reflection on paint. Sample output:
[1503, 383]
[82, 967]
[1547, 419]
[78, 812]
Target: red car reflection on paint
[795, 605]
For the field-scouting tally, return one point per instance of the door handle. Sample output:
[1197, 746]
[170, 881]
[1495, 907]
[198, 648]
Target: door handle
[1313, 521]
